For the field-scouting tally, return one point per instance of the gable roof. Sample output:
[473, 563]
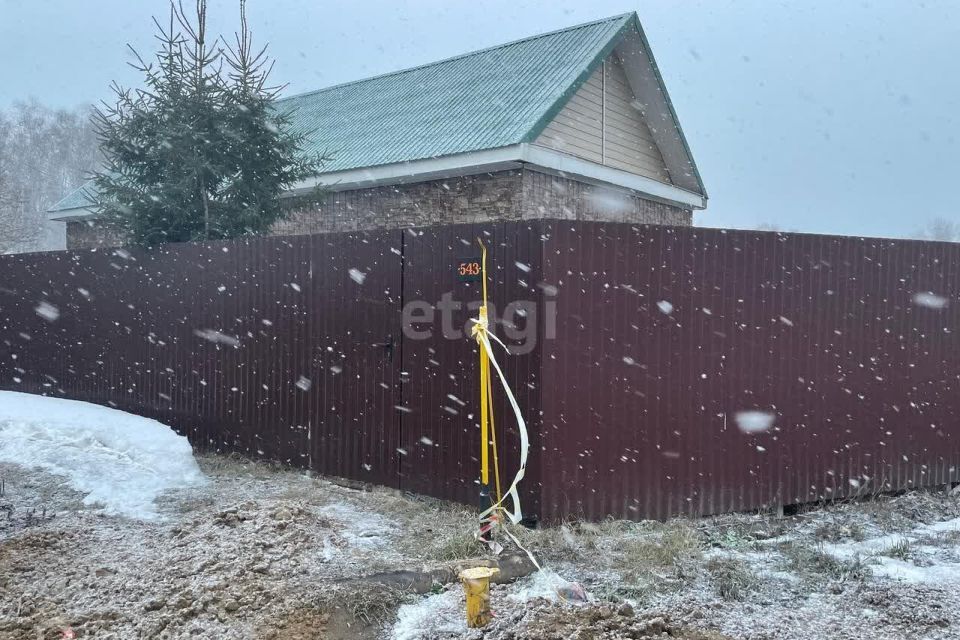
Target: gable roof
[481, 100]
[488, 99]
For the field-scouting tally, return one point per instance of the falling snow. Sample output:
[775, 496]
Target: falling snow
[930, 300]
[217, 337]
[754, 421]
[47, 311]
[357, 276]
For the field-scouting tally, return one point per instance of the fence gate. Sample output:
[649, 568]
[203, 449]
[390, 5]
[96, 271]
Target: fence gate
[354, 331]
[440, 434]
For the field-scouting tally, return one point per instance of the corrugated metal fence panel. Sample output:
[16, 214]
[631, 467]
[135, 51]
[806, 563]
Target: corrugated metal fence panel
[666, 334]
[261, 346]
[274, 347]
[440, 421]
[355, 312]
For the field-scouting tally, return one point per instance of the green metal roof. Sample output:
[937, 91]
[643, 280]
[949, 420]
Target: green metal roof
[481, 100]
[486, 99]
[76, 199]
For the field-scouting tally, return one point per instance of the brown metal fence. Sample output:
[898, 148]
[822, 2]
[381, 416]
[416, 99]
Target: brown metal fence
[850, 345]
[283, 348]
[637, 350]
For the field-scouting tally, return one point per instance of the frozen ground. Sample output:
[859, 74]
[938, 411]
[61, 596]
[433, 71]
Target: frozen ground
[256, 551]
[262, 552]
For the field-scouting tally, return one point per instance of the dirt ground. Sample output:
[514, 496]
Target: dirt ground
[262, 552]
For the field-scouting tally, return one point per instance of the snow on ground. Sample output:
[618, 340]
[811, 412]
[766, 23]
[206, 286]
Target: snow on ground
[917, 555]
[120, 461]
[261, 552]
[437, 614]
[546, 584]
[443, 614]
[361, 529]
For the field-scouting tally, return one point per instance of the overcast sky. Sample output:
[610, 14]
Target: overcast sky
[833, 117]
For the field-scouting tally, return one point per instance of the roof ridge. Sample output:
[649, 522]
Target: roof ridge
[461, 55]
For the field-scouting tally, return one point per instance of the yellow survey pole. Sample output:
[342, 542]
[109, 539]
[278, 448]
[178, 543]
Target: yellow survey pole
[484, 392]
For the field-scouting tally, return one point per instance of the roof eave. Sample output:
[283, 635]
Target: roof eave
[500, 159]
[635, 21]
[68, 215]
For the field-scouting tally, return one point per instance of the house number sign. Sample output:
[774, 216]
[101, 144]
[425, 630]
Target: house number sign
[468, 269]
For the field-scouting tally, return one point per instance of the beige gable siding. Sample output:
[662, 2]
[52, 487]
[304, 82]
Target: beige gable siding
[627, 142]
[599, 124]
[577, 128]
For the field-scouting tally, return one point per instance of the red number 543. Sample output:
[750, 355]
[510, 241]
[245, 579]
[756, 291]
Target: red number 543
[469, 269]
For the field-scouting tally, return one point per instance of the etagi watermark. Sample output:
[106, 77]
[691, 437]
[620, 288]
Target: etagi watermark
[519, 326]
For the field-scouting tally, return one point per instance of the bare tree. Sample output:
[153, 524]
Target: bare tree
[44, 154]
[941, 229]
[15, 228]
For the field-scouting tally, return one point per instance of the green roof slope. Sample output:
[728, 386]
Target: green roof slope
[486, 99]
[481, 100]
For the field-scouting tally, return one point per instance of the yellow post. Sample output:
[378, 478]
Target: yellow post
[484, 414]
[476, 587]
[484, 392]
[488, 432]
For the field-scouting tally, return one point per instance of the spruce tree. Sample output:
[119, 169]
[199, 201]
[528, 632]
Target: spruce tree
[200, 152]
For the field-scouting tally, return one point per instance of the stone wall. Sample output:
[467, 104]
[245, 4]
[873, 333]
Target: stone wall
[502, 195]
[91, 234]
[478, 198]
[549, 196]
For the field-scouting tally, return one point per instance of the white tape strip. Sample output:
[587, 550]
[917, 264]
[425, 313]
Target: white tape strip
[517, 514]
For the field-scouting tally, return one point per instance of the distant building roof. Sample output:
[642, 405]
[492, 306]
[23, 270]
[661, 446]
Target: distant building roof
[487, 99]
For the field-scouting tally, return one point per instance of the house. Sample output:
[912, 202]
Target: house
[575, 124]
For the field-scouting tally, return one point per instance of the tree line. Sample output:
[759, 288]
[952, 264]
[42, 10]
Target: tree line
[200, 150]
[45, 153]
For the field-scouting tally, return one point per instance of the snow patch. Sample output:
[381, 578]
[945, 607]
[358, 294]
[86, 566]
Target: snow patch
[547, 584]
[439, 615]
[121, 461]
[935, 570]
[358, 528]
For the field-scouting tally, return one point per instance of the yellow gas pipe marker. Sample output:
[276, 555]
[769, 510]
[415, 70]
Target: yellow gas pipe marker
[476, 585]
[476, 581]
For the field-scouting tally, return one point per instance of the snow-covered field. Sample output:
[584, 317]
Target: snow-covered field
[106, 535]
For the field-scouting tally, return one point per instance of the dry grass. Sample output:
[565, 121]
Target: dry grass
[949, 538]
[370, 603]
[733, 579]
[234, 464]
[814, 565]
[902, 549]
[456, 546]
[556, 544]
[673, 544]
[838, 530]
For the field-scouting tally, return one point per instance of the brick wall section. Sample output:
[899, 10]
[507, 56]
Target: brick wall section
[84, 234]
[502, 195]
[549, 196]
[479, 198]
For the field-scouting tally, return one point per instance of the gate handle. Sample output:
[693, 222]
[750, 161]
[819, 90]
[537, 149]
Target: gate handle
[387, 345]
